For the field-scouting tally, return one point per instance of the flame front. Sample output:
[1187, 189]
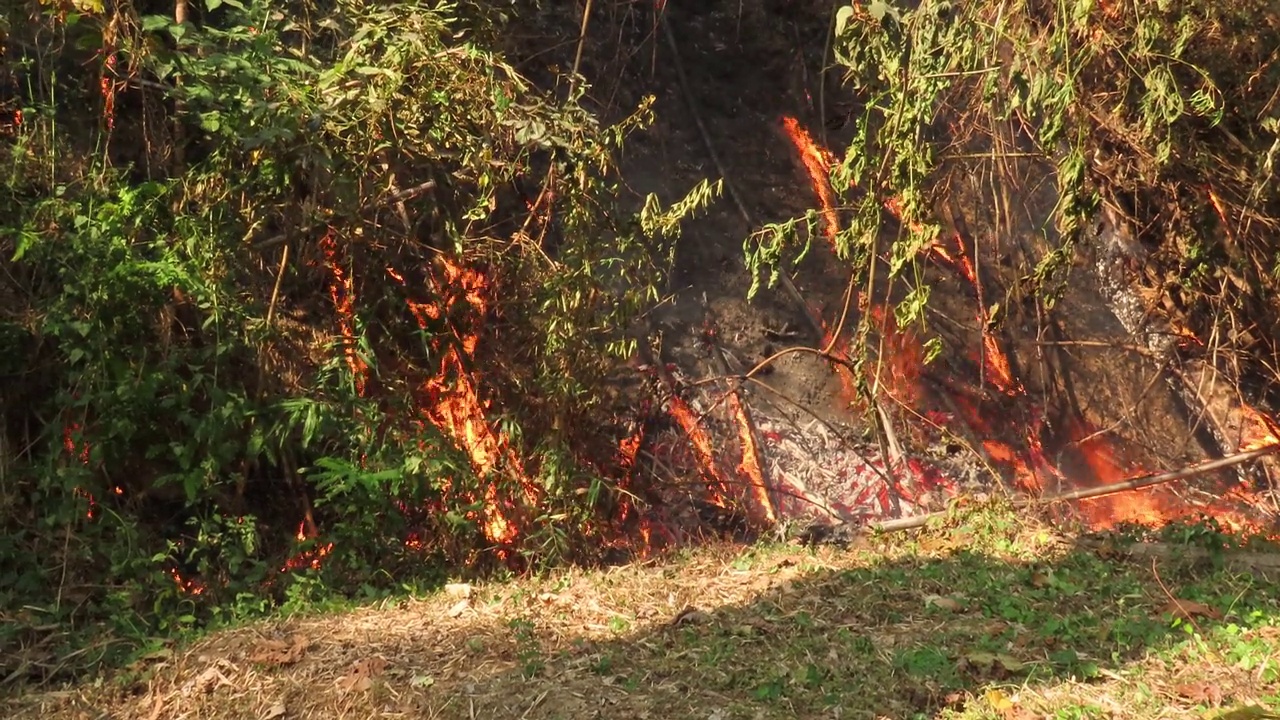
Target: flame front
[451, 402]
[1028, 464]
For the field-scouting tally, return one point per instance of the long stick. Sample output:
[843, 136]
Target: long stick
[1110, 489]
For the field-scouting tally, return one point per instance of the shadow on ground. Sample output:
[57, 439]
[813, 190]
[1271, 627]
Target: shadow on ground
[971, 623]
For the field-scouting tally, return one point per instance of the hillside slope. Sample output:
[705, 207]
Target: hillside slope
[989, 617]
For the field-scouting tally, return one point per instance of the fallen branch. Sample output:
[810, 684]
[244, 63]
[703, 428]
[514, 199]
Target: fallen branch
[1109, 489]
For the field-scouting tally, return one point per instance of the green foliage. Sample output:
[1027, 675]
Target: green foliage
[1148, 107]
[214, 240]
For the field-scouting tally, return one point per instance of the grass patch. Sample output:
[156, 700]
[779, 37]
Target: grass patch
[990, 618]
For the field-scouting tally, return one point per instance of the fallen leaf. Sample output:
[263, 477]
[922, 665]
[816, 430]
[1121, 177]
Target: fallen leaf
[691, 616]
[274, 711]
[279, 652]
[459, 608]
[206, 681]
[1187, 610]
[993, 661]
[944, 603]
[1207, 693]
[999, 702]
[361, 676]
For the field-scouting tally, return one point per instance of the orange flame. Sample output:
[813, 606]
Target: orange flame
[817, 162]
[693, 429]
[1258, 430]
[342, 290]
[452, 402]
[750, 467]
[308, 558]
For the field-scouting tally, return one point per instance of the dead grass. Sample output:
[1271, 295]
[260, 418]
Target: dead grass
[994, 618]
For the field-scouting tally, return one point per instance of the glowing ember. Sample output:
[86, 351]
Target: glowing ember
[308, 558]
[187, 586]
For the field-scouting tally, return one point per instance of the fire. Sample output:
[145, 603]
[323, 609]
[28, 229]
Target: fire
[188, 586]
[342, 290]
[1259, 430]
[450, 399]
[716, 484]
[1028, 463]
[309, 558]
[750, 467]
[817, 162]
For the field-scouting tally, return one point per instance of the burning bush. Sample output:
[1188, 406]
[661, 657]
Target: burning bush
[267, 268]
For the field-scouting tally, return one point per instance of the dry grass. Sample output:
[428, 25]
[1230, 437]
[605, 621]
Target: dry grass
[970, 622]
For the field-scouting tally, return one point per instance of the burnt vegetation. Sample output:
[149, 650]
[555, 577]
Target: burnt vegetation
[315, 301]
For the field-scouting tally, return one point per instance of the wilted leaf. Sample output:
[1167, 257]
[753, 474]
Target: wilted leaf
[998, 662]
[459, 608]
[361, 676]
[274, 711]
[206, 681]
[999, 702]
[1186, 610]
[279, 652]
[1206, 693]
[458, 590]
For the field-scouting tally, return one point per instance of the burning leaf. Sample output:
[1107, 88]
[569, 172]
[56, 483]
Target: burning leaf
[361, 676]
[279, 652]
[1188, 610]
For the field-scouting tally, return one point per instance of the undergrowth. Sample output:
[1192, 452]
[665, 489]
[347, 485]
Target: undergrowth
[1167, 114]
[262, 269]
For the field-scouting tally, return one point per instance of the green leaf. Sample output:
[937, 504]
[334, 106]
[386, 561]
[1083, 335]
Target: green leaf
[152, 23]
[843, 16]
[212, 4]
